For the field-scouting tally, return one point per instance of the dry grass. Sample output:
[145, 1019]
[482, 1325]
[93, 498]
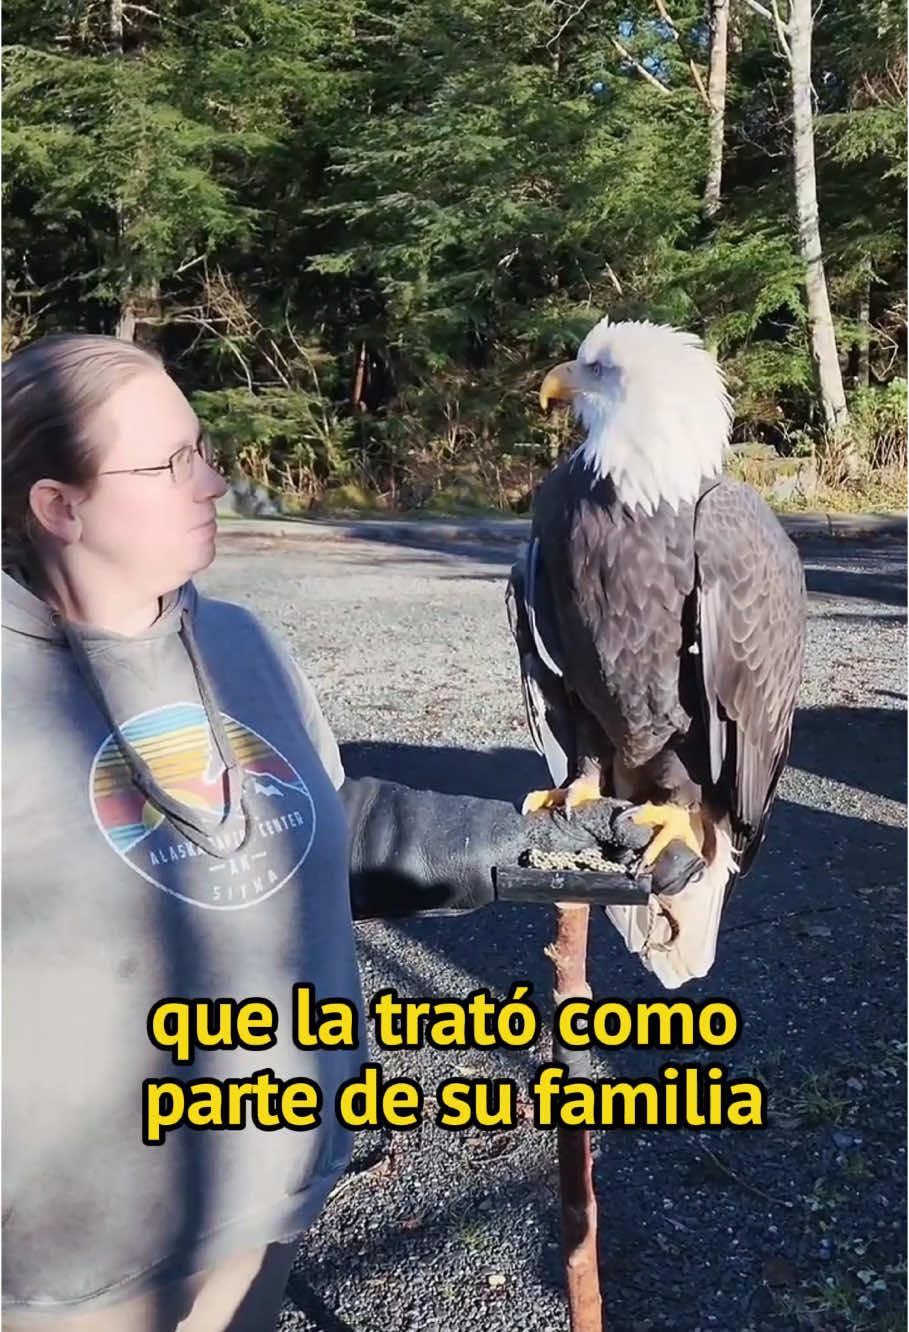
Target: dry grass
[882, 491]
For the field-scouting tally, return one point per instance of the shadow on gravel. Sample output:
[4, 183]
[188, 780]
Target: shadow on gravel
[500, 774]
[857, 617]
[817, 553]
[861, 747]
[888, 588]
[309, 1302]
[812, 953]
[824, 889]
[489, 552]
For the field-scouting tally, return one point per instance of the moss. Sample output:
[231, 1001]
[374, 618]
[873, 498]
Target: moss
[349, 498]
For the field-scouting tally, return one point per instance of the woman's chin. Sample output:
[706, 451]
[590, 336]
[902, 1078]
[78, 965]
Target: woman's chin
[206, 540]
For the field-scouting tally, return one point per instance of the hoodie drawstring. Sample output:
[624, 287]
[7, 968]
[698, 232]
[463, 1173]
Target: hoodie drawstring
[185, 818]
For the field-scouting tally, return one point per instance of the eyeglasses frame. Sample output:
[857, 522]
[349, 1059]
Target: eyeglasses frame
[202, 447]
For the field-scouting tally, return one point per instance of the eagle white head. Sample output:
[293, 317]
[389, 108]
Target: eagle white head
[655, 407]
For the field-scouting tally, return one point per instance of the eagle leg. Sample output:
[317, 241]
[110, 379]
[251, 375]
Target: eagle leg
[673, 823]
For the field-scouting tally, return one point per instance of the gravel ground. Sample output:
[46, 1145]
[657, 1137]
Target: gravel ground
[798, 1226]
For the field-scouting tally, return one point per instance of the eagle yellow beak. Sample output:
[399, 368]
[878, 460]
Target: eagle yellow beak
[560, 385]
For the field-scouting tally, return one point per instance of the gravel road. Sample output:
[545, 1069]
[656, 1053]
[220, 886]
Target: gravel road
[800, 1225]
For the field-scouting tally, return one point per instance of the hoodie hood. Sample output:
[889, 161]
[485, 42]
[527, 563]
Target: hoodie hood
[27, 616]
[25, 613]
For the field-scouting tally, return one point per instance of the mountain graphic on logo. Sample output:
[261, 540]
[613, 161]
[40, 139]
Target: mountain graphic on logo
[268, 785]
[177, 744]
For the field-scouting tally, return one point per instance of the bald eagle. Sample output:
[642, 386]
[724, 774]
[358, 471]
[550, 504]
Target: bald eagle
[659, 613]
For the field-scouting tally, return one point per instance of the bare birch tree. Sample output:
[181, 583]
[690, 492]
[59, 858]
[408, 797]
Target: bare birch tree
[716, 93]
[794, 37]
[820, 319]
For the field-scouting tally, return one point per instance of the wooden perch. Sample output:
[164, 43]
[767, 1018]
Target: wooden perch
[568, 955]
[517, 883]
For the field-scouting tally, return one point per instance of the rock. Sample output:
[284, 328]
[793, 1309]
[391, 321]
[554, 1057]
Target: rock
[753, 448]
[245, 499]
[780, 479]
[263, 506]
[792, 479]
[778, 1270]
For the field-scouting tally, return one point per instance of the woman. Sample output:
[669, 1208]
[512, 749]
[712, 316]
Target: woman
[176, 823]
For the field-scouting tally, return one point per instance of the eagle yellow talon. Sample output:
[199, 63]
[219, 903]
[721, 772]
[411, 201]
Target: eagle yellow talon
[674, 825]
[582, 791]
[535, 800]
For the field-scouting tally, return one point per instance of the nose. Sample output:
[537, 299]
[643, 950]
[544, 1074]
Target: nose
[209, 483]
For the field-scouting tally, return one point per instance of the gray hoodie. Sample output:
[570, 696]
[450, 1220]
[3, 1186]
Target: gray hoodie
[133, 769]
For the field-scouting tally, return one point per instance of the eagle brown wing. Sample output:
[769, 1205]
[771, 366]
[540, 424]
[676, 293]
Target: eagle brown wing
[618, 581]
[751, 610]
[533, 627]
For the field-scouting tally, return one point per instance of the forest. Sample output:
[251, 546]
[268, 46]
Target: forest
[360, 233]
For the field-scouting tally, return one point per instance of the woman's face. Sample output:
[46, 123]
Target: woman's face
[147, 527]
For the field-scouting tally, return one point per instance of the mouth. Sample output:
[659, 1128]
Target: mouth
[209, 526]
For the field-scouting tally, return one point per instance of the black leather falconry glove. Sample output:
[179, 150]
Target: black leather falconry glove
[425, 853]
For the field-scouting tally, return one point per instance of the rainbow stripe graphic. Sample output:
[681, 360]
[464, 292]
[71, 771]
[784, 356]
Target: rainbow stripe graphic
[177, 745]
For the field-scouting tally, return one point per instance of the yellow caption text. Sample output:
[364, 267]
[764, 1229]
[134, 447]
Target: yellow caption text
[681, 1095]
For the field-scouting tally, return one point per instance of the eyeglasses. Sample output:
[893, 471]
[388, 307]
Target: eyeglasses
[179, 464]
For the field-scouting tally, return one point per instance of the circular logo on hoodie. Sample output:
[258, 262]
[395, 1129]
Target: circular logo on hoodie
[177, 744]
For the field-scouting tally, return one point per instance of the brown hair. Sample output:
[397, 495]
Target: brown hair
[51, 390]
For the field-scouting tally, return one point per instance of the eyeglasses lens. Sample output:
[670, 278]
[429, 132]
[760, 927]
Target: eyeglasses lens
[181, 465]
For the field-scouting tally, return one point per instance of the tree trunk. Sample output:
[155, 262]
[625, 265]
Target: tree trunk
[863, 342]
[116, 27]
[579, 1205]
[141, 312]
[716, 94]
[820, 320]
[126, 321]
[359, 379]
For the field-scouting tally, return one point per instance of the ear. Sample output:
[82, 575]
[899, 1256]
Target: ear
[56, 508]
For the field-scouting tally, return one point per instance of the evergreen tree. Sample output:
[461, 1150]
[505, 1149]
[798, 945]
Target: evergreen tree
[362, 235]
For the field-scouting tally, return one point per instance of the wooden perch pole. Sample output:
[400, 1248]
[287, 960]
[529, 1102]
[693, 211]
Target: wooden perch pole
[575, 890]
[568, 955]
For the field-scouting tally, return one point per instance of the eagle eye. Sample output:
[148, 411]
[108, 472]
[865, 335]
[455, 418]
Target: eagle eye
[595, 369]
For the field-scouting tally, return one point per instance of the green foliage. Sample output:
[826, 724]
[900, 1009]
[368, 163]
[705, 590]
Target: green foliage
[285, 437]
[879, 424]
[362, 236]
